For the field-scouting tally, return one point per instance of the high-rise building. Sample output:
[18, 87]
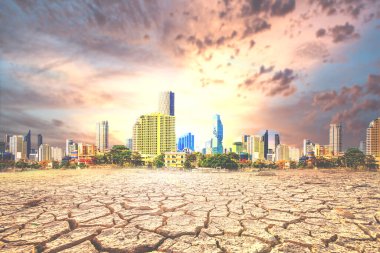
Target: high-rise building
[186, 141]
[336, 139]
[244, 140]
[282, 152]
[154, 134]
[44, 153]
[166, 103]
[39, 140]
[129, 143]
[7, 140]
[217, 132]
[294, 154]
[69, 144]
[102, 136]
[17, 147]
[255, 147]
[237, 147]
[28, 140]
[362, 147]
[271, 140]
[208, 147]
[308, 148]
[373, 139]
[56, 154]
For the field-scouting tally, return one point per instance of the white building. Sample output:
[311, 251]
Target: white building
[102, 136]
[44, 153]
[282, 152]
[335, 139]
[17, 147]
[294, 154]
[166, 103]
[56, 154]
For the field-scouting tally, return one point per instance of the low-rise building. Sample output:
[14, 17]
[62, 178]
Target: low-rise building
[175, 159]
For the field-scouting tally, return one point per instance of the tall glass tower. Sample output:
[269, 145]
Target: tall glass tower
[27, 139]
[166, 103]
[271, 140]
[217, 147]
[335, 138]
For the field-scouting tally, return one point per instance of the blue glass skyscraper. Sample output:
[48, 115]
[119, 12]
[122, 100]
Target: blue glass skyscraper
[186, 142]
[271, 140]
[217, 147]
[27, 139]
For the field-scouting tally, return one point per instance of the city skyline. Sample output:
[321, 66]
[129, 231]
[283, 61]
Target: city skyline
[60, 69]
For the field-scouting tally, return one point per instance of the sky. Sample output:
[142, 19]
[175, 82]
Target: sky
[287, 65]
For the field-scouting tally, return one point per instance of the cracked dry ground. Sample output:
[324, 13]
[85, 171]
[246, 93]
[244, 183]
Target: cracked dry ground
[149, 211]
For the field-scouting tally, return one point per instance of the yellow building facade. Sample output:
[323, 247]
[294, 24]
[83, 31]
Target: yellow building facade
[154, 134]
[175, 159]
[373, 139]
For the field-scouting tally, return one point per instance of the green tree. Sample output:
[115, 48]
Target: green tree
[354, 158]
[370, 162]
[21, 164]
[136, 159]
[159, 161]
[56, 165]
[191, 161]
[82, 165]
[120, 155]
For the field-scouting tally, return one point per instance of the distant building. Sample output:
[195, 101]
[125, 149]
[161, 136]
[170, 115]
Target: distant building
[18, 147]
[129, 143]
[69, 144]
[244, 140]
[186, 142]
[85, 153]
[2, 146]
[362, 147]
[282, 152]
[322, 150]
[7, 138]
[208, 147]
[154, 134]
[237, 147]
[255, 147]
[217, 142]
[335, 138]
[175, 159]
[56, 154]
[373, 139]
[44, 153]
[294, 154]
[166, 103]
[102, 136]
[28, 140]
[39, 140]
[271, 140]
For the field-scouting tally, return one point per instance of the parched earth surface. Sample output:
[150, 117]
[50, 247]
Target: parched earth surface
[159, 211]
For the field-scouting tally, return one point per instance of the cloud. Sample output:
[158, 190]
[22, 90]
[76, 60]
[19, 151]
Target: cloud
[350, 114]
[343, 32]
[264, 70]
[332, 99]
[254, 26]
[57, 122]
[281, 8]
[373, 84]
[320, 33]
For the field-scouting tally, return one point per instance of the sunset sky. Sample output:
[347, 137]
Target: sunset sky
[289, 66]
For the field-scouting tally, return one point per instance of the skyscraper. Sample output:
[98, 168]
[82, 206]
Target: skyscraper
[68, 149]
[27, 139]
[44, 153]
[166, 103]
[271, 140]
[255, 147]
[217, 132]
[39, 140]
[186, 141]
[17, 147]
[129, 143]
[56, 154]
[282, 152]
[373, 139]
[154, 134]
[308, 147]
[102, 135]
[362, 147]
[336, 139]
